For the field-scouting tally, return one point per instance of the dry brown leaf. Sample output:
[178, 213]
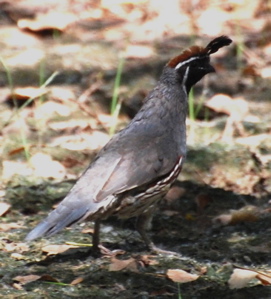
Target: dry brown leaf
[240, 278]
[18, 256]
[45, 166]
[17, 150]
[56, 249]
[69, 125]
[45, 110]
[224, 219]
[118, 265]
[30, 278]
[237, 109]
[61, 94]
[50, 21]
[17, 286]
[25, 93]
[77, 281]
[248, 213]
[224, 104]
[4, 207]
[20, 247]
[26, 279]
[11, 168]
[250, 70]
[181, 276]
[264, 279]
[175, 193]
[70, 162]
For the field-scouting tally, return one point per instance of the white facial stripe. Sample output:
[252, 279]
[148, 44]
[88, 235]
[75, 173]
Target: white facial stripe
[185, 62]
[185, 75]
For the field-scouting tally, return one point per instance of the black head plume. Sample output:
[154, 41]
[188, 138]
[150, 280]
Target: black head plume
[194, 63]
[217, 43]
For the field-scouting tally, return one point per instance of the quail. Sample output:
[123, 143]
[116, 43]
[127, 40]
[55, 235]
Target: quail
[136, 168]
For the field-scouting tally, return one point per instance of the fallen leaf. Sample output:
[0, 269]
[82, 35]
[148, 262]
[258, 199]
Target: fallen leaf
[26, 279]
[20, 247]
[181, 276]
[248, 213]
[250, 70]
[175, 193]
[264, 279]
[17, 286]
[11, 168]
[240, 278]
[17, 150]
[30, 278]
[118, 265]
[238, 107]
[45, 166]
[56, 249]
[53, 20]
[77, 281]
[45, 111]
[224, 219]
[18, 256]
[4, 207]
[25, 93]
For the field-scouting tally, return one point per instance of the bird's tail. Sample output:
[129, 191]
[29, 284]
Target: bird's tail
[61, 217]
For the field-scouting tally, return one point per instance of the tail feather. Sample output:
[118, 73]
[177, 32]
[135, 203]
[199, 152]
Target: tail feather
[55, 222]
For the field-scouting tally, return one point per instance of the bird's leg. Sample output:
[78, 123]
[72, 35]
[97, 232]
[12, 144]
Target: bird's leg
[97, 247]
[96, 235]
[144, 223]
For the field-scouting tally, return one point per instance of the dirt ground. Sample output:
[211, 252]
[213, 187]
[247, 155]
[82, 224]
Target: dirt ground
[58, 70]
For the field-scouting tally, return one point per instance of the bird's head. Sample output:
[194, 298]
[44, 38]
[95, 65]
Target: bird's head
[194, 63]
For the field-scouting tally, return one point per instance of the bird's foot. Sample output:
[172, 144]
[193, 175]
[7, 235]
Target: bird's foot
[156, 250]
[107, 252]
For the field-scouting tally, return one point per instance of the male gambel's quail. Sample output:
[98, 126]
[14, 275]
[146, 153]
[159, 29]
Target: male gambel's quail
[138, 165]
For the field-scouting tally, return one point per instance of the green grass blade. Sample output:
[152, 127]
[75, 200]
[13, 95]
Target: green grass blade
[115, 103]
